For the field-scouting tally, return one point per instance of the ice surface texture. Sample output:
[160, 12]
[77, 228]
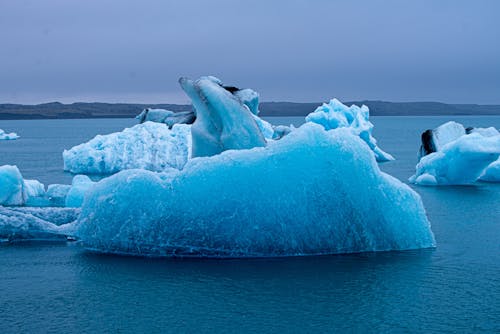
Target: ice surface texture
[335, 115]
[166, 116]
[25, 223]
[8, 136]
[76, 194]
[15, 191]
[492, 173]
[150, 145]
[223, 121]
[449, 155]
[11, 186]
[312, 192]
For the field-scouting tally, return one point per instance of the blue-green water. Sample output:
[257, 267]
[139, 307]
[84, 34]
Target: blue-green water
[453, 288]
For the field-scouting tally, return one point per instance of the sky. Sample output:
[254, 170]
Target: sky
[301, 51]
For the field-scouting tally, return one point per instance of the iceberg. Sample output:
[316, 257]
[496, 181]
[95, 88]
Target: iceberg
[312, 192]
[166, 116]
[492, 172]
[12, 190]
[434, 140]
[27, 223]
[222, 122]
[335, 115]
[15, 191]
[452, 154]
[150, 145]
[8, 136]
[76, 194]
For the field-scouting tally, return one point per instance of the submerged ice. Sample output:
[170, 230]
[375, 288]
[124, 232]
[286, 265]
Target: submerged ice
[335, 115]
[452, 154]
[312, 192]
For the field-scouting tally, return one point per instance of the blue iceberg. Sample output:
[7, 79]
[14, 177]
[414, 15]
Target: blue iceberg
[312, 192]
[223, 120]
[335, 115]
[150, 145]
[8, 136]
[167, 117]
[454, 155]
[28, 223]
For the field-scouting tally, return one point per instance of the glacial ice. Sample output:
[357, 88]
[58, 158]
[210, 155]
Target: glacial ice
[335, 115]
[11, 186]
[79, 187]
[8, 136]
[250, 98]
[149, 146]
[223, 121]
[492, 172]
[16, 191]
[166, 117]
[461, 161]
[452, 154]
[28, 223]
[312, 192]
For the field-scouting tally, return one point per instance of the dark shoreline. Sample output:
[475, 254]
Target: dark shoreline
[81, 110]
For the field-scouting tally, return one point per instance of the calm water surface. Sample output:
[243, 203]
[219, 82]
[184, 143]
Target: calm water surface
[453, 288]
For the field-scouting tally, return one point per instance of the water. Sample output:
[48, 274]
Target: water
[453, 288]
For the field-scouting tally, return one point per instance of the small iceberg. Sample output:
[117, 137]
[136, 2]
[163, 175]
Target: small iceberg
[8, 136]
[152, 146]
[16, 191]
[28, 223]
[166, 117]
[454, 155]
[335, 114]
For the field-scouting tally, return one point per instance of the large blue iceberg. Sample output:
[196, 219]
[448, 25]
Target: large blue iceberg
[312, 192]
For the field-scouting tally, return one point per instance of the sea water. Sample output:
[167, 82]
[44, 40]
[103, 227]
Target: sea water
[54, 287]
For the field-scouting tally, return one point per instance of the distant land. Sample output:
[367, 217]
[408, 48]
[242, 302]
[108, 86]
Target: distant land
[56, 110]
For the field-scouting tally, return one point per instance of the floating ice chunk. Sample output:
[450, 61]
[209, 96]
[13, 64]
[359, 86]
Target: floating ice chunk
[461, 161]
[27, 223]
[56, 194]
[11, 186]
[335, 115]
[34, 188]
[492, 172]
[166, 116]
[312, 192]
[149, 146]
[79, 187]
[8, 136]
[468, 165]
[223, 122]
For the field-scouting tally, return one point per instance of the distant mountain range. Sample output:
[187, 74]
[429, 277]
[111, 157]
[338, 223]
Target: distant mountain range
[126, 110]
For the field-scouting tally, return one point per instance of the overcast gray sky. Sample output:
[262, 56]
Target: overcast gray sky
[134, 51]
